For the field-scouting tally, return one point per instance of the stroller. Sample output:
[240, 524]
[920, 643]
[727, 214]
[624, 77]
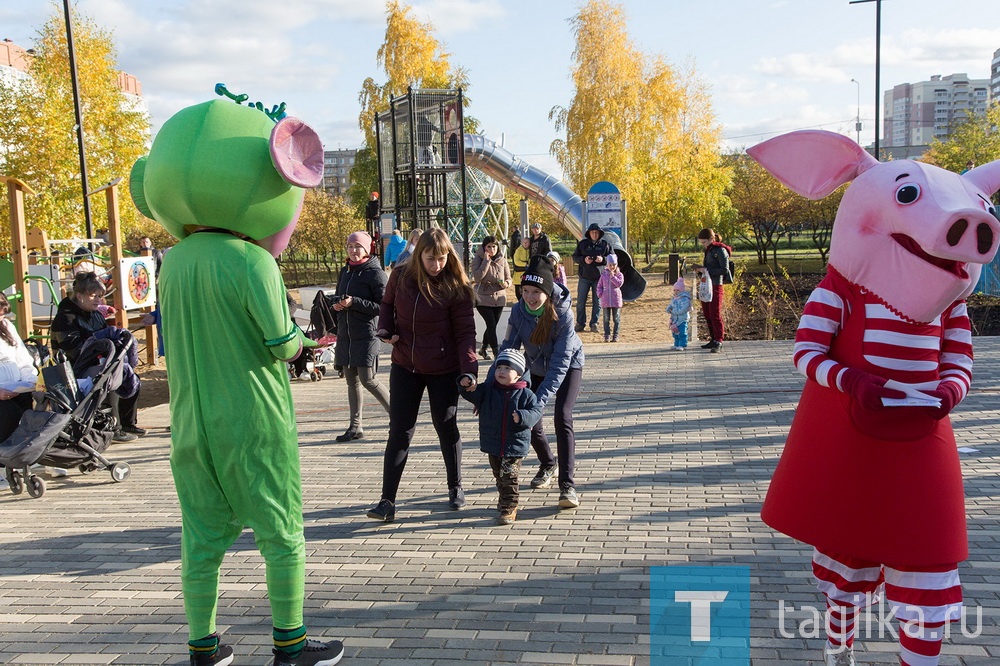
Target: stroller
[314, 360]
[322, 329]
[77, 429]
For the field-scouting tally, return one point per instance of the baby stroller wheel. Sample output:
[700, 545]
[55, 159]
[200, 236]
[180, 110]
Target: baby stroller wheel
[315, 376]
[87, 468]
[120, 472]
[36, 486]
[16, 481]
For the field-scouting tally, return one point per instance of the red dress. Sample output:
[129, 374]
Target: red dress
[886, 485]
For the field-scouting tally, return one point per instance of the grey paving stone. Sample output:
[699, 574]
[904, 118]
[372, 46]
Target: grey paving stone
[674, 453]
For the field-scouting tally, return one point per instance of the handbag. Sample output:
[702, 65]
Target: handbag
[32, 437]
[60, 384]
[704, 286]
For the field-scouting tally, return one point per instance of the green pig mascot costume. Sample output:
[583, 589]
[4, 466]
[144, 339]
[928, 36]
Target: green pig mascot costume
[227, 181]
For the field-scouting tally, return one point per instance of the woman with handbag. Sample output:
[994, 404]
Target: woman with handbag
[356, 305]
[716, 264]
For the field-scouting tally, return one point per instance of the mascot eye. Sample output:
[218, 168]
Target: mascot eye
[907, 194]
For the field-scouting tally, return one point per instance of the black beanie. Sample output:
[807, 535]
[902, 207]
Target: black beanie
[539, 274]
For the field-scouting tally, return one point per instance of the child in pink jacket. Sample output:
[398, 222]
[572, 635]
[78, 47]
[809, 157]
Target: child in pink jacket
[609, 291]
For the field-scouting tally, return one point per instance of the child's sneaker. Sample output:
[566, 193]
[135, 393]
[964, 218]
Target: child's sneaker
[544, 477]
[614, 339]
[607, 338]
[315, 653]
[507, 517]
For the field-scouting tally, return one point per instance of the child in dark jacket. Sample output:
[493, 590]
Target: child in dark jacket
[507, 410]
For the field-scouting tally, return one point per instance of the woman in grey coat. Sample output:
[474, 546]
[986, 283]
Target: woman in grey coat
[359, 296]
[491, 272]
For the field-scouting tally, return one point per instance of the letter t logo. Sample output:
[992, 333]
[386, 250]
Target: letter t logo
[701, 607]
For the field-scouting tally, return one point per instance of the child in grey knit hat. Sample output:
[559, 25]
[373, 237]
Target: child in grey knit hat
[507, 410]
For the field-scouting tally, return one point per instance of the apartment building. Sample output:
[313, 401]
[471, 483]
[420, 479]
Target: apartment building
[995, 76]
[917, 113]
[337, 171]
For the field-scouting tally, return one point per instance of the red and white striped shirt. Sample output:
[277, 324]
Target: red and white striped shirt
[920, 355]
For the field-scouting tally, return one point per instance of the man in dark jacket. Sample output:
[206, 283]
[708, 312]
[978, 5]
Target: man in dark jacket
[591, 254]
[540, 244]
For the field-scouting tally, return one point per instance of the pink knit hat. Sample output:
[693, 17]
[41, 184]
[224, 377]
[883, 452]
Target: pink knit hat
[679, 285]
[362, 238]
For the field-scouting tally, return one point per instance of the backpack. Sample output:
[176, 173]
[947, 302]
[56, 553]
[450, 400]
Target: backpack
[730, 272]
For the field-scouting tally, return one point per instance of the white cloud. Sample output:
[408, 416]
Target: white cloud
[453, 16]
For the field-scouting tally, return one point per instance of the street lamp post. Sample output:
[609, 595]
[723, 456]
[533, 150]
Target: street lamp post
[79, 121]
[857, 118]
[878, 50]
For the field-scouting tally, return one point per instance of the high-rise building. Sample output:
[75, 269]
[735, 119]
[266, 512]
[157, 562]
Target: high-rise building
[917, 113]
[337, 170]
[995, 76]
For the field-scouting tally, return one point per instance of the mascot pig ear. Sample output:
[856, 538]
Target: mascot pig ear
[297, 152]
[986, 177]
[812, 163]
[137, 189]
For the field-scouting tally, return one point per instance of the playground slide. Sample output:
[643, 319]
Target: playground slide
[550, 192]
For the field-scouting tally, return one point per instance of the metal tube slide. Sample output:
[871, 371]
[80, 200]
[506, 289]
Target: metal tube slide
[527, 180]
[550, 192]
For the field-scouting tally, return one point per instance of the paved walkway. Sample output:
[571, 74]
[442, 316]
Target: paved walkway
[674, 455]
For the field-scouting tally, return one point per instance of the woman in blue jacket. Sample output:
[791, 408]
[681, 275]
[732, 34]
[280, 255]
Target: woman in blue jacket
[542, 322]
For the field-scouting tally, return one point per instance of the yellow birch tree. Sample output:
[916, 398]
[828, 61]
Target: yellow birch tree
[37, 129]
[636, 121]
[411, 57]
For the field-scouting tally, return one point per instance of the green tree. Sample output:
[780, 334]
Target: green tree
[976, 139]
[766, 206]
[39, 140]
[643, 125]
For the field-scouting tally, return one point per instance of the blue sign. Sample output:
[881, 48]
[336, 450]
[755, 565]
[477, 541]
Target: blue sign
[699, 616]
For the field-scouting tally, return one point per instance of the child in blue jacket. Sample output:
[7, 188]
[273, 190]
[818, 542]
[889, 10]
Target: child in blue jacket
[507, 410]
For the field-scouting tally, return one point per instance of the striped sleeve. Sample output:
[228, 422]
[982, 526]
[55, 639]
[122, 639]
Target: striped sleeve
[821, 320]
[956, 347]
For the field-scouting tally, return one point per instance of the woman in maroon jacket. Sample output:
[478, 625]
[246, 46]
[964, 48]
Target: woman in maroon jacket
[427, 317]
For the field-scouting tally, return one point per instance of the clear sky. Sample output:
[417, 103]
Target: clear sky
[772, 65]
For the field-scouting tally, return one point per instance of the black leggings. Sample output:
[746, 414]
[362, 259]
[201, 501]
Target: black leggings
[406, 390]
[562, 420]
[490, 315]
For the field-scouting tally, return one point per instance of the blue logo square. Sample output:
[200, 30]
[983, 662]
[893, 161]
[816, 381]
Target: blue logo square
[699, 616]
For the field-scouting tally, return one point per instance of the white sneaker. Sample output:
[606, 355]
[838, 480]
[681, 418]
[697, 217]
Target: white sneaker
[839, 656]
[56, 471]
[4, 485]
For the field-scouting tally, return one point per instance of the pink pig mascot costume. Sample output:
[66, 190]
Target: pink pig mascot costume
[870, 474]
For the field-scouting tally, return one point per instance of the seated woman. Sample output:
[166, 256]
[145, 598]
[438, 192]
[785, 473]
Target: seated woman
[77, 319]
[17, 374]
[17, 378]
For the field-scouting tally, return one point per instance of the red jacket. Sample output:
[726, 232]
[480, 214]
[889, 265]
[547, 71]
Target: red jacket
[435, 338]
